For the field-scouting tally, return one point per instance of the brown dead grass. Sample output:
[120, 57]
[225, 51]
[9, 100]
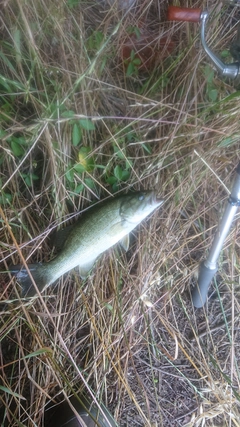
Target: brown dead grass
[129, 333]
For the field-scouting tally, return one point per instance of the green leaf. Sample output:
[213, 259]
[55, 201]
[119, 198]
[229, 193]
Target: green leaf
[79, 188]
[76, 134]
[209, 73]
[132, 55]
[73, 3]
[100, 166]
[89, 182]
[29, 177]
[103, 64]
[131, 136]
[79, 168]
[70, 174]
[99, 36]
[131, 69]
[231, 96]
[34, 177]
[17, 43]
[87, 124]
[213, 94]
[111, 180]
[226, 142]
[5, 84]
[85, 160]
[119, 153]
[147, 148]
[125, 175]
[16, 148]
[225, 53]
[95, 41]
[137, 32]
[5, 198]
[109, 307]
[137, 61]
[12, 393]
[21, 140]
[128, 164]
[68, 114]
[134, 30]
[38, 352]
[15, 85]
[118, 172]
[115, 187]
[7, 62]
[2, 133]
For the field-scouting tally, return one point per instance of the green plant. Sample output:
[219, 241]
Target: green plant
[130, 326]
[133, 64]
[18, 145]
[94, 44]
[122, 171]
[5, 196]
[77, 127]
[120, 174]
[29, 178]
[85, 163]
[95, 41]
[133, 29]
[211, 89]
[73, 3]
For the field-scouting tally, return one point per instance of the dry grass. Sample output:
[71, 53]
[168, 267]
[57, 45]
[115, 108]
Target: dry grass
[129, 333]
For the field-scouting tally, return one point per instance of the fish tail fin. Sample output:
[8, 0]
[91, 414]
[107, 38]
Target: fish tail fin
[27, 287]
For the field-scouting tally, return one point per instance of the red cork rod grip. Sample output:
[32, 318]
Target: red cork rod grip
[183, 14]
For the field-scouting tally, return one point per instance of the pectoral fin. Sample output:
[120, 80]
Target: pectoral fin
[124, 242]
[85, 269]
[60, 237]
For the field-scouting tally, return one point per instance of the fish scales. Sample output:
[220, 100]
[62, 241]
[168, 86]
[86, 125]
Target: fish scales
[92, 235]
[99, 228]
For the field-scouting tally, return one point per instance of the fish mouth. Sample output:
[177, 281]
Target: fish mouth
[155, 200]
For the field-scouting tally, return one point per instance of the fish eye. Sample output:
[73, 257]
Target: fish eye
[141, 197]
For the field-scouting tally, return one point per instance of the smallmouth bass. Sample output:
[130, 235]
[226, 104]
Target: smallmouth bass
[99, 228]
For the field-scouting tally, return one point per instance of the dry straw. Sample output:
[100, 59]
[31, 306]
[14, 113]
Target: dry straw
[77, 124]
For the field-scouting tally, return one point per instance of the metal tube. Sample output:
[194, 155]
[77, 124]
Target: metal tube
[209, 267]
[226, 70]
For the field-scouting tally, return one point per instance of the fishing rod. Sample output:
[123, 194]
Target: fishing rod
[232, 70]
[209, 267]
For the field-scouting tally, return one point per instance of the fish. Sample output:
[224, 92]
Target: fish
[98, 229]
